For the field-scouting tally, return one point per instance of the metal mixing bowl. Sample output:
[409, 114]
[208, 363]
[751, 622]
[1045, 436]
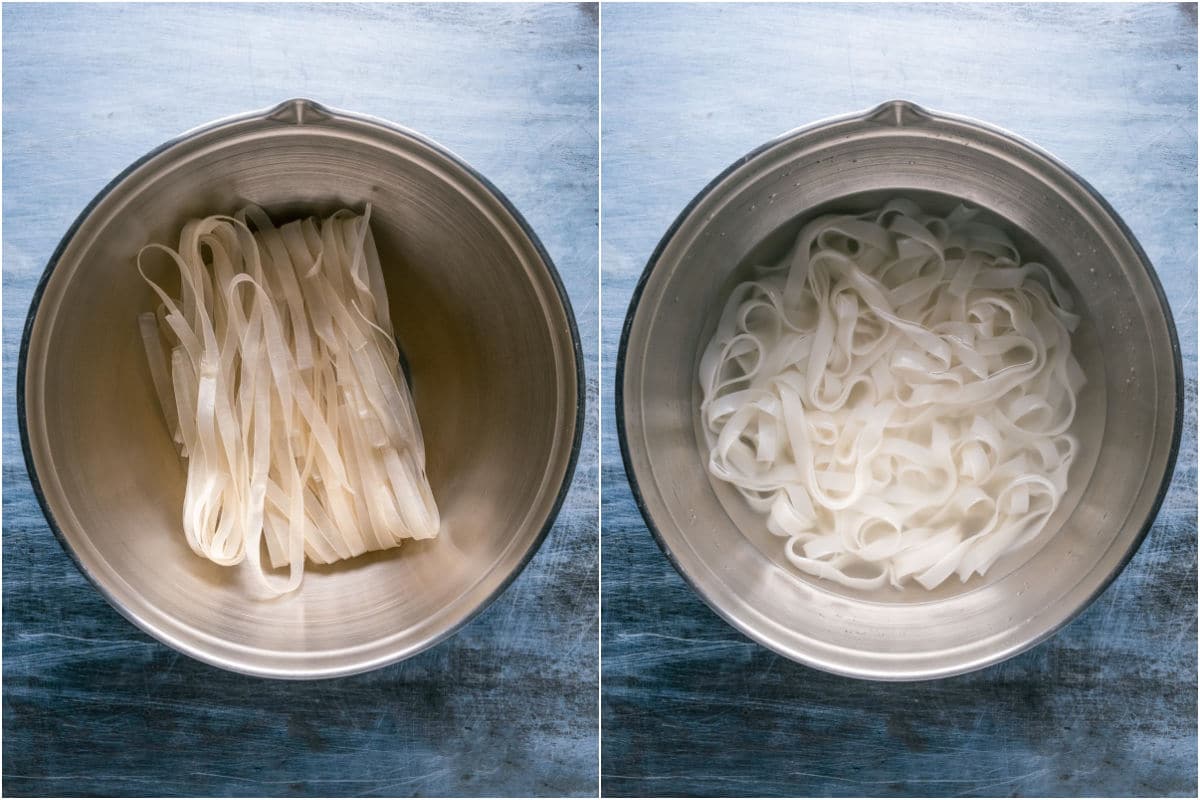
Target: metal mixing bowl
[1129, 419]
[495, 366]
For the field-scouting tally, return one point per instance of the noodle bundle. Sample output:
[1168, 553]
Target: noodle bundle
[895, 396]
[278, 377]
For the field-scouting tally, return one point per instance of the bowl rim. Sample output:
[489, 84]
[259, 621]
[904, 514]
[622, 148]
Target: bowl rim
[898, 110]
[296, 108]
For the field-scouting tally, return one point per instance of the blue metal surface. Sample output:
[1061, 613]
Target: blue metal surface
[92, 705]
[1106, 707]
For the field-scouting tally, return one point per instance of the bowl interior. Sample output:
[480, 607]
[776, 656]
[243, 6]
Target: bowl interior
[1126, 421]
[487, 338]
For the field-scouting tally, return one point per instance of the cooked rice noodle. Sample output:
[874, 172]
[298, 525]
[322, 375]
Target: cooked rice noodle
[896, 396]
[278, 376]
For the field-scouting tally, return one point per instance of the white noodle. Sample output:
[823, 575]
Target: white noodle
[895, 395]
[284, 393]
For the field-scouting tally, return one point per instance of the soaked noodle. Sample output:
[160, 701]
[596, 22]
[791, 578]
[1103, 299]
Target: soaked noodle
[895, 395]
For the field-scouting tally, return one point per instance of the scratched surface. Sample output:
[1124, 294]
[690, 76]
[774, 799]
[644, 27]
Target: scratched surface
[1108, 706]
[93, 706]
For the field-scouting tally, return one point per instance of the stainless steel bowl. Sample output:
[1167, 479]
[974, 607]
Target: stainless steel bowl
[1129, 420]
[495, 364]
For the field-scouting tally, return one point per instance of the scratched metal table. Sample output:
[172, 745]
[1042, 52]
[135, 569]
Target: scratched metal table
[1108, 706]
[92, 705]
